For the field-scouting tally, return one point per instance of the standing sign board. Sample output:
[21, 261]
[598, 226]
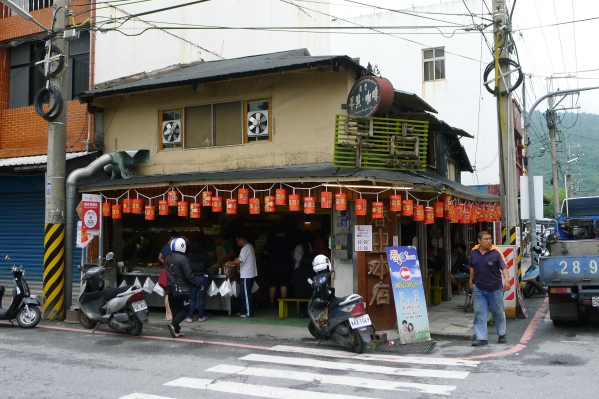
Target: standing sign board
[410, 302]
[91, 214]
[363, 237]
[82, 239]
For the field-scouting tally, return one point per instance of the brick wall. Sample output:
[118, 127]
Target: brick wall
[22, 131]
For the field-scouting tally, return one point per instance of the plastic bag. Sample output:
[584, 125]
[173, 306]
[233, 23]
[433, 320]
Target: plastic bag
[159, 290]
[213, 289]
[137, 283]
[225, 289]
[149, 286]
[255, 287]
[235, 287]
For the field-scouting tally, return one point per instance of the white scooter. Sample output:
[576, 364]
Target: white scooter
[122, 308]
[531, 277]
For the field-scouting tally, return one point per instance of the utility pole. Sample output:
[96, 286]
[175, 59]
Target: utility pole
[550, 117]
[54, 228]
[508, 175]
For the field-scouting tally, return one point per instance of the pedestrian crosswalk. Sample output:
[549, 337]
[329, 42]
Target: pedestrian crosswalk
[372, 375]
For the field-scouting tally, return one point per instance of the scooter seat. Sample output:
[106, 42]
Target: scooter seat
[334, 302]
[91, 296]
[113, 292]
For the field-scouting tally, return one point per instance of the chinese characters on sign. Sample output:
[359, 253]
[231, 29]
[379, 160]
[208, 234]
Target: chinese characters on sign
[370, 95]
[363, 237]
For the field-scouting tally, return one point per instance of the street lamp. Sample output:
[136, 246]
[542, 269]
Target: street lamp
[24, 14]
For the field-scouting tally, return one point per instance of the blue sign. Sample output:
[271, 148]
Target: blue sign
[410, 302]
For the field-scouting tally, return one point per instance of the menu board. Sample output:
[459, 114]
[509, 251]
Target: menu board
[363, 237]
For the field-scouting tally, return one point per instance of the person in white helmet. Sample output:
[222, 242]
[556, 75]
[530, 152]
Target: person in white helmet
[178, 271]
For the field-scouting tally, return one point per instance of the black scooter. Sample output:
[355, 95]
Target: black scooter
[22, 307]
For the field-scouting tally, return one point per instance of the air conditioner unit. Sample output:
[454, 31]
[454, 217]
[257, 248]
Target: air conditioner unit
[257, 123]
[171, 132]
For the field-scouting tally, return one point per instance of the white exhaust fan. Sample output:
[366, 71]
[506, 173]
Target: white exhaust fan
[171, 133]
[257, 123]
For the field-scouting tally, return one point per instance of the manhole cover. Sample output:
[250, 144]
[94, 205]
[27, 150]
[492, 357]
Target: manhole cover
[418, 348]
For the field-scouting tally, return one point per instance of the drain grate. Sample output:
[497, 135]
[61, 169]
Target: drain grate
[418, 348]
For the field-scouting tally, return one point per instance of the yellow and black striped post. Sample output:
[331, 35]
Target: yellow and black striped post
[53, 272]
[511, 240]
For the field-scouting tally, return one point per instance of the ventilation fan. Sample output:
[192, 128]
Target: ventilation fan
[257, 123]
[171, 132]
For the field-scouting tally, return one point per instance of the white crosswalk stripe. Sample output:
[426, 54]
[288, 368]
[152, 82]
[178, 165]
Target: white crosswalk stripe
[373, 381]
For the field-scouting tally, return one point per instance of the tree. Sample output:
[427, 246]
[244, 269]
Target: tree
[548, 209]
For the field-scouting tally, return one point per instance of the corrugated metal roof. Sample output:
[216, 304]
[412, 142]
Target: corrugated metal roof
[37, 159]
[225, 69]
[323, 172]
[411, 100]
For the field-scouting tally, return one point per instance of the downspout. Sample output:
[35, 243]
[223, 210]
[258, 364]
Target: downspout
[71, 205]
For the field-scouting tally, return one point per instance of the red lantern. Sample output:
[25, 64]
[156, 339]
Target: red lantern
[206, 198]
[395, 201]
[173, 198]
[195, 211]
[163, 207]
[106, 209]
[459, 210]
[137, 206]
[231, 206]
[150, 212]
[361, 207]
[182, 208]
[281, 196]
[294, 202]
[269, 203]
[377, 210]
[117, 211]
[429, 215]
[474, 214]
[310, 204]
[340, 202]
[447, 200]
[254, 206]
[448, 212]
[217, 204]
[465, 217]
[438, 209]
[407, 207]
[498, 212]
[126, 205]
[326, 200]
[454, 218]
[242, 196]
[419, 213]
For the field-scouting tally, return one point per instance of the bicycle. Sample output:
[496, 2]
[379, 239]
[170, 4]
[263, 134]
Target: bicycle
[468, 300]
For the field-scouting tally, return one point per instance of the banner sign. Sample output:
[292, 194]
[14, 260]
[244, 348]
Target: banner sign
[363, 237]
[410, 302]
[91, 213]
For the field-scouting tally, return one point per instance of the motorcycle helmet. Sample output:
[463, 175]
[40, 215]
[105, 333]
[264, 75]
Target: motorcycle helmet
[321, 263]
[178, 244]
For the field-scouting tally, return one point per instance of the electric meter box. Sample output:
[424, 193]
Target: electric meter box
[342, 246]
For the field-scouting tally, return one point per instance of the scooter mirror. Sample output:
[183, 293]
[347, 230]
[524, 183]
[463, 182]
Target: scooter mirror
[80, 268]
[109, 256]
[7, 258]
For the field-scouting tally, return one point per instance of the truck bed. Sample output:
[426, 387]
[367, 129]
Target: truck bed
[564, 270]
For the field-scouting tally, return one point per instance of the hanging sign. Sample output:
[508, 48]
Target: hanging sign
[82, 238]
[370, 95]
[410, 302]
[90, 212]
[363, 237]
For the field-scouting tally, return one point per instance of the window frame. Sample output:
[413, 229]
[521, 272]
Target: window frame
[433, 61]
[161, 113]
[246, 138]
[452, 166]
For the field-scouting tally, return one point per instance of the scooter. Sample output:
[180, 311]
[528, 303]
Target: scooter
[344, 320]
[22, 307]
[122, 309]
[531, 277]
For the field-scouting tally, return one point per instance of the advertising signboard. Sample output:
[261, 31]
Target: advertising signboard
[91, 214]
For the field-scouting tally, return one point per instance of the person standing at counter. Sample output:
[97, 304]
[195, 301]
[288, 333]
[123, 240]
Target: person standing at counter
[247, 275]
[178, 272]
[279, 250]
[164, 253]
[200, 262]
[224, 249]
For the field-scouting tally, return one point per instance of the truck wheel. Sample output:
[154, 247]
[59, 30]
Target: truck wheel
[559, 322]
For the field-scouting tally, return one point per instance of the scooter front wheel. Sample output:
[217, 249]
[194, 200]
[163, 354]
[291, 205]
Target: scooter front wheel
[528, 290]
[28, 317]
[313, 331]
[85, 321]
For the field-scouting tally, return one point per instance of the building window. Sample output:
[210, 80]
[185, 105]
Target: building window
[171, 128]
[258, 121]
[78, 65]
[434, 63]
[451, 170]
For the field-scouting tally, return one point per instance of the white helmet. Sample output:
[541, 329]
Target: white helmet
[178, 244]
[321, 263]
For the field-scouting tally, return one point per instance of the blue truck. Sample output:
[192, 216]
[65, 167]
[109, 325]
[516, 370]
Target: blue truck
[571, 272]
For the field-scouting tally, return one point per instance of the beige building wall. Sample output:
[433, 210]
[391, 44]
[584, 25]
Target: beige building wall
[304, 105]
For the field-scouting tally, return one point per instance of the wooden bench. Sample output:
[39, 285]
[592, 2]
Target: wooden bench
[284, 306]
[435, 294]
[463, 282]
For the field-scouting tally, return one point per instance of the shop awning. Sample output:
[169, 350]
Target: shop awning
[323, 173]
[37, 163]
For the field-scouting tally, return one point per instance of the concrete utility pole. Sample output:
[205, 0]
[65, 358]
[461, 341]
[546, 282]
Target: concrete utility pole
[550, 116]
[54, 256]
[508, 175]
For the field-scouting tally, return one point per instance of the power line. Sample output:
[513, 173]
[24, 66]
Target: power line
[544, 38]
[559, 35]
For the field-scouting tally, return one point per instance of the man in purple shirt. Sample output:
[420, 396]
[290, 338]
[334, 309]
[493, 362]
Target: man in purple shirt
[487, 265]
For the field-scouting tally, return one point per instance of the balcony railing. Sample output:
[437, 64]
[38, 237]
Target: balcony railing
[27, 5]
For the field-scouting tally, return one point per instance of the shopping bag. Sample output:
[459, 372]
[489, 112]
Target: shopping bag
[225, 289]
[137, 283]
[213, 289]
[148, 286]
[235, 287]
[123, 283]
[162, 278]
[255, 287]
[158, 289]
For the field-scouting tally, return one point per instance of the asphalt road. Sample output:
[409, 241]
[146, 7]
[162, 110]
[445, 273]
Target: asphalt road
[56, 360]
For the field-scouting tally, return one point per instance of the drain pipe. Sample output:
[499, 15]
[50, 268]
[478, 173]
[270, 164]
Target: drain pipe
[71, 206]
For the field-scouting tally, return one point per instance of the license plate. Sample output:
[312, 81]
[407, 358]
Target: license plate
[359, 321]
[596, 301]
[139, 305]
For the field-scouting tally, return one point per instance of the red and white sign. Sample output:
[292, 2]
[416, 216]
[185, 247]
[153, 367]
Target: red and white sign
[91, 206]
[404, 273]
